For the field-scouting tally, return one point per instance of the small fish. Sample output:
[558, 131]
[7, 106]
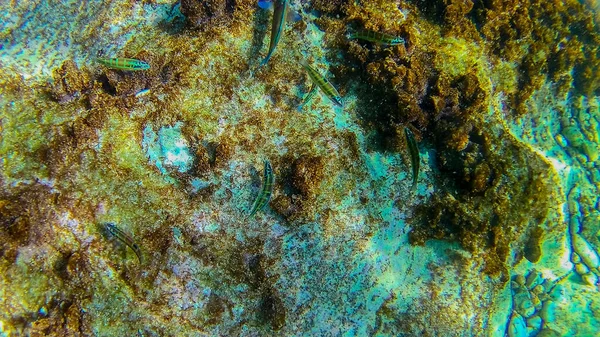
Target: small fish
[123, 63]
[281, 13]
[414, 156]
[309, 96]
[267, 188]
[376, 37]
[125, 238]
[323, 83]
[143, 92]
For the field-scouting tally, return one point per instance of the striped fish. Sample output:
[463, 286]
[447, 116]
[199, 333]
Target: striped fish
[267, 189]
[323, 83]
[123, 63]
[125, 238]
[413, 149]
[279, 17]
[376, 37]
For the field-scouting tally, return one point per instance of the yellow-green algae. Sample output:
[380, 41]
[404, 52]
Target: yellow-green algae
[334, 248]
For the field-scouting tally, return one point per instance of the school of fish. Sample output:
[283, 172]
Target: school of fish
[282, 13]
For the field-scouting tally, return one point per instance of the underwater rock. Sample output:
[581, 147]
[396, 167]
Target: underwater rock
[168, 149]
[532, 297]
[286, 206]
[540, 26]
[69, 83]
[307, 174]
[300, 183]
[62, 320]
[586, 260]
[581, 136]
[517, 326]
[548, 333]
[584, 256]
[202, 162]
[214, 309]
[328, 6]
[532, 250]
[573, 135]
[15, 225]
[476, 221]
[272, 310]
[461, 164]
[219, 153]
[207, 14]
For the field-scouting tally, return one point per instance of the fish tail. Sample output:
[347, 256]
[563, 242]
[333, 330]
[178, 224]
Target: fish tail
[266, 59]
[303, 62]
[309, 96]
[138, 252]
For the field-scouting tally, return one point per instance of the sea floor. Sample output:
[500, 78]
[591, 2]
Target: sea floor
[500, 236]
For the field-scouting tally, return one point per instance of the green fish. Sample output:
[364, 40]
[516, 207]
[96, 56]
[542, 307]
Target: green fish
[323, 83]
[413, 149]
[123, 63]
[125, 238]
[376, 37]
[279, 17]
[267, 189]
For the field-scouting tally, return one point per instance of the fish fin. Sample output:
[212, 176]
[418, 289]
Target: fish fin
[265, 4]
[138, 252]
[265, 60]
[303, 62]
[413, 188]
[255, 206]
[292, 15]
[308, 97]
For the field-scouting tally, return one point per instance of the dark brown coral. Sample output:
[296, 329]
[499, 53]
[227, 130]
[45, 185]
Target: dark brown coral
[307, 174]
[69, 82]
[559, 39]
[300, 184]
[328, 6]
[487, 189]
[207, 14]
[65, 319]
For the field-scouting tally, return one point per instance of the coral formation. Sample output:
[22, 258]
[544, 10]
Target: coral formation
[69, 82]
[300, 185]
[212, 14]
[537, 35]
[206, 14]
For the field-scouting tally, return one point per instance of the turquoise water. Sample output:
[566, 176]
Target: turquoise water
[500, 237]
